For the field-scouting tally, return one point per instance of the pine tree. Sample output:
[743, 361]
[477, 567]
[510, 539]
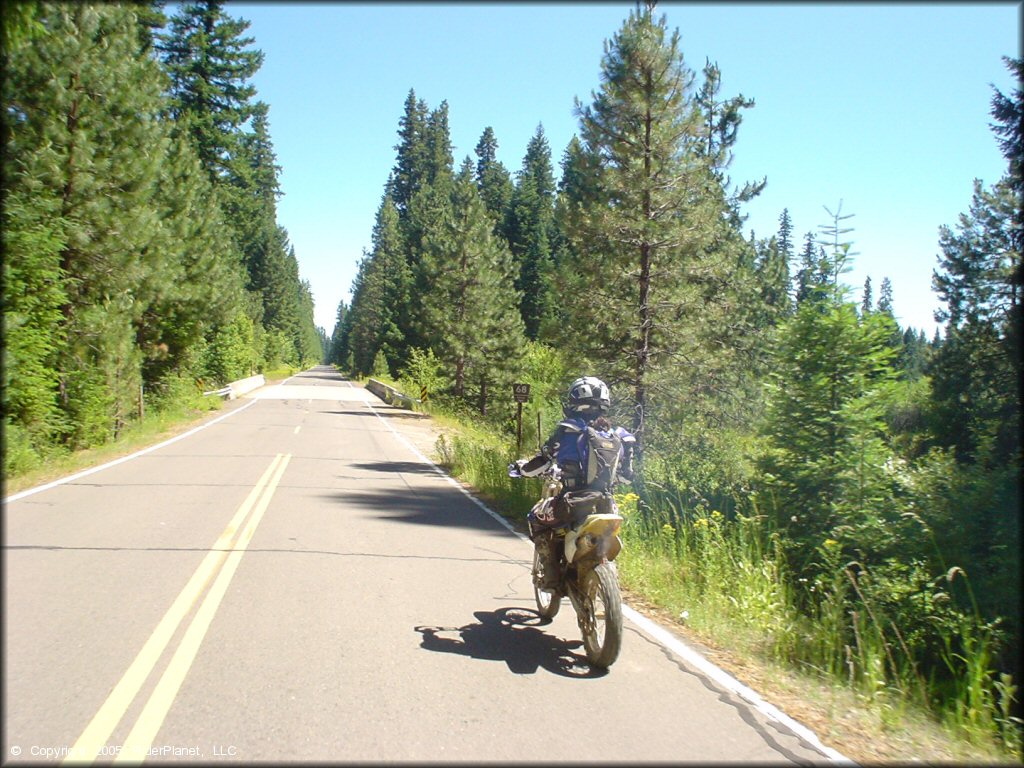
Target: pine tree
[866, 298]
[885, 297]
[721, 123]
[913, 355]
[32, 294]
[410, 171]
[338, 344]
[209, 63]
[825, 425]
[85, 103]
[772, 273]
[380, 296]
[785, 236]
[439, 161]
[806, 276]
[838, 258]
[650, 228]
[198, 284]
[151, 18]
[530, 232]
[975, 374]
[1008, 112]
[470, 317]
[493, 180]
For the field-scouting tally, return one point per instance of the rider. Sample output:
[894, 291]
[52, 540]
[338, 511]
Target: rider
[586, 468]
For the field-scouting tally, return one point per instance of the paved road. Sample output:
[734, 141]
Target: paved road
[293, 583]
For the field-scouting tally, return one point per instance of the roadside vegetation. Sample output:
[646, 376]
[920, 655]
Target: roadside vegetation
[819, 488]
[143, 261]
[849, 645]
[162, 419]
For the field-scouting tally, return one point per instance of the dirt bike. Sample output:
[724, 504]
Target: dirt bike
[586, 545]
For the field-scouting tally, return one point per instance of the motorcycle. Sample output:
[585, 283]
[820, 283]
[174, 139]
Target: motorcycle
[587, 545]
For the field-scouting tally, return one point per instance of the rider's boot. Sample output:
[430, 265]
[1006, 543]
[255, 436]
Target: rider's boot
[547, 553]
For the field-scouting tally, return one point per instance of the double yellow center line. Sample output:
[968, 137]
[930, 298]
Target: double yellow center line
[221, 562]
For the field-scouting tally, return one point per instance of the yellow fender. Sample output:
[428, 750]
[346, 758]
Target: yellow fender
[582, 540]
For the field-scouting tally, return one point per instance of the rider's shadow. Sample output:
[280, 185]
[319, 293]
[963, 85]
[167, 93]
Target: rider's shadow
[511, 635]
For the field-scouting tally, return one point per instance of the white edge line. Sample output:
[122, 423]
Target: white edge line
[727, 681]
[451, 480]
[657, 633]
[123, 459]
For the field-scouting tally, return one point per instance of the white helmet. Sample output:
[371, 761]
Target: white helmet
[589, 395]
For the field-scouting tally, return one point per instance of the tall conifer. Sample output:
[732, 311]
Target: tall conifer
[530, 231]
[470, 315]
[644, 273]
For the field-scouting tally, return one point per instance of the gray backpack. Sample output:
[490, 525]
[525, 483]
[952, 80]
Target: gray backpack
[600, 453]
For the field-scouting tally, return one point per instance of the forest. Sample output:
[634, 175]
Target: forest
[143, 261]
[847, 488]
[840, 490]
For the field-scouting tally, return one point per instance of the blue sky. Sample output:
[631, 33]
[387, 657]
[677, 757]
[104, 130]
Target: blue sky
[884, 107]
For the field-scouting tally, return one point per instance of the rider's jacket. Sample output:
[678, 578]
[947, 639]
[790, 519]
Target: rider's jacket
[568, 447]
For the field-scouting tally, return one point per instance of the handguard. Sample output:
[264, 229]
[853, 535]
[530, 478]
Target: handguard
[529, 468]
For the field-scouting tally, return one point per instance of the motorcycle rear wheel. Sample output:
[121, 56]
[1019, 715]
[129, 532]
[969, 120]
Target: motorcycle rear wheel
[602, 624]
[548, 602]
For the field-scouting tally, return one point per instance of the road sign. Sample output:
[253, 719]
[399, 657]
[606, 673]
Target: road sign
[521, 392]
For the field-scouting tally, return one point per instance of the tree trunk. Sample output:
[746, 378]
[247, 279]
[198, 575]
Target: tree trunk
[643, 342]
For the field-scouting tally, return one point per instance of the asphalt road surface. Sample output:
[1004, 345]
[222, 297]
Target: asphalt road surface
[293, 582]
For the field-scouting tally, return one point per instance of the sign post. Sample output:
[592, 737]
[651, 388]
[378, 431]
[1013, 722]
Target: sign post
[521, 393]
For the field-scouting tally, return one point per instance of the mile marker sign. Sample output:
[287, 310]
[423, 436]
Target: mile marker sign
[521, 392]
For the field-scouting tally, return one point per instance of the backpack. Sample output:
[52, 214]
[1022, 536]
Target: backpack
[599, 453]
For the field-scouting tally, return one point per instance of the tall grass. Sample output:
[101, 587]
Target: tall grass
[726, 574]
[169, 406]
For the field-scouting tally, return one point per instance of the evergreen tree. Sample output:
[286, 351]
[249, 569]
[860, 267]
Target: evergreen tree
[380, 297]
[83, 101]
[785, 236]
[432, 187]
[470, 318]
[839, 254]
[410, 171]
[209, 63]
[530, 232]
[337, 349]
[32, 295]
[976, 374]
[652, 221]
[252, 201]
[885, 297]
[493, 180]
[866, 298]
[721, 123]
[772, 273]
[813, 277]
[310, 338]
[826, 459]
[196, 279]
[913, 354]
[1008, 112]
[438, 143]
[151, 18]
